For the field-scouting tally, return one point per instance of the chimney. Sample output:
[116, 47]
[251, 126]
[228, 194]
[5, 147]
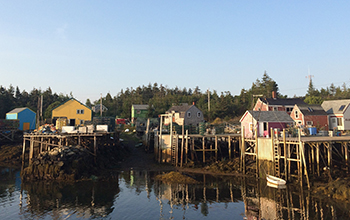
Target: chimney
[274, 94]
[193, 103]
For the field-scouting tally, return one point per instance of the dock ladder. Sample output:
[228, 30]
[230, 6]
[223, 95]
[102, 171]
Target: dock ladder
[276, 152]
[174, 150]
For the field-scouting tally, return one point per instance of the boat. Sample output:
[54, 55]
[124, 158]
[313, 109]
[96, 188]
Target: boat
[275, 181]
[276, 186]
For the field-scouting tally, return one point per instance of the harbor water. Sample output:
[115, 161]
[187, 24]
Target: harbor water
[136, 194]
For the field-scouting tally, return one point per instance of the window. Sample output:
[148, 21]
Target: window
[289, 109]
[80, 111]
[275, 108]
[309, 123]
[81, 122]
[296, 114]
[310, 109]
[188, 114]
[199, 114]
[342, 108]
[340, 121]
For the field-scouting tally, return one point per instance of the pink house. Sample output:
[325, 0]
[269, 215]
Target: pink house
[262, 121]
[277, 104]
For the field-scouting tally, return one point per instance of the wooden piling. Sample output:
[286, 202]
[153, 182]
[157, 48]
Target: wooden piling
[318, 158]
[242, 151]
[216, 148]
[203, 143]
[95, 148]
[285, 154]
[229, 147]
[23, 151]
[31, 150]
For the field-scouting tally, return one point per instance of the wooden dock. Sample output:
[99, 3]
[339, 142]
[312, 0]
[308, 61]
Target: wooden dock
[291, 156]
[39, 142]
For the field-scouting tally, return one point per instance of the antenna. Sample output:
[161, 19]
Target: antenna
[309, 76]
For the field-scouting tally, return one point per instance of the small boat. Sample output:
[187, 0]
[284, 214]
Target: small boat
[276, 186]
[272, 180]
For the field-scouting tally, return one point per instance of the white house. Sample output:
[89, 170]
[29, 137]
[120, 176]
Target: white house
[338, 112]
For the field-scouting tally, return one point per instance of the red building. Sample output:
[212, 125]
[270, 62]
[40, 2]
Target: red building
[310, 116]
[277, 104]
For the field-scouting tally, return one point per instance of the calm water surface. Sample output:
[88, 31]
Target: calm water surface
[136, 195]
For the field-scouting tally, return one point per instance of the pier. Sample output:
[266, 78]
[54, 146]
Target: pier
[291, 157]
[40, 142]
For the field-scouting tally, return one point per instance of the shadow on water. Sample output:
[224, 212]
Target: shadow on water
[137, 195]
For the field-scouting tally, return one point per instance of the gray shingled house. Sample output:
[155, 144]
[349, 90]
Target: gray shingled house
[338, 112]
[185, 114]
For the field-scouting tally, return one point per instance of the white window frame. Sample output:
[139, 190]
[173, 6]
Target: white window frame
[199, 114]
[310, 123]
[80, 111]
[296, 113]
[188, 114]
[340, 121]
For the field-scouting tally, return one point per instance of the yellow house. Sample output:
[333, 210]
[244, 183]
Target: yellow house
[75, 112]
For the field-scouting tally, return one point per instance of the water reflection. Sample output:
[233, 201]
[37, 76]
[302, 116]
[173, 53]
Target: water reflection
[137, 195]
[83, 199]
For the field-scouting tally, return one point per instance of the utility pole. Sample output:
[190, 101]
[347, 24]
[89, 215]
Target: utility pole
[41, 109]
[101, 105]
[208, 104]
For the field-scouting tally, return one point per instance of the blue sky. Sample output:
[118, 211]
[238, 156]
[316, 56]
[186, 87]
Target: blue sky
[93, 47]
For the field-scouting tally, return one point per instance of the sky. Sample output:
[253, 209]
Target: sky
[89, 48]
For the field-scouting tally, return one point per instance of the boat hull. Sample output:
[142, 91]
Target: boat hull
[272, 180]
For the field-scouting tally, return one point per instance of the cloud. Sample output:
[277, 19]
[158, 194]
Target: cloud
[61, 31]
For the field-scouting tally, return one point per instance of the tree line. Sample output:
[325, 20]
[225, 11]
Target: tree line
[223, 105]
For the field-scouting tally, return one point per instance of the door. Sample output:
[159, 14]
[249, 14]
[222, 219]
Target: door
[26, 126]
[71, 122]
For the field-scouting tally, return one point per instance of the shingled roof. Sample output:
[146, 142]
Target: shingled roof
[271, 116]
[141, 107]
[287, 101]
[18, 110]
[312, 110]
[335, 106]
[179, 108]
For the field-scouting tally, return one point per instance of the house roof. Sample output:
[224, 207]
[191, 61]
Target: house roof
[312, 109]
[287, 101]
[271, 116]
[18, 110]
[140, 107]
[97, 108]
[180, 108]
[68, 101]
[335, 106]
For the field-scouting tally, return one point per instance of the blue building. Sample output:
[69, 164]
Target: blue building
[25, 116]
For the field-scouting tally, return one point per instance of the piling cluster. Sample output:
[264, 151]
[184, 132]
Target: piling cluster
[60, 163]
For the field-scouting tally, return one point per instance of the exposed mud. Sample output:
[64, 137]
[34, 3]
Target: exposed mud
[11, 154]
[177, 177]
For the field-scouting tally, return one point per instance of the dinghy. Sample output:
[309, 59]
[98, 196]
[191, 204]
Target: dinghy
[272, 180]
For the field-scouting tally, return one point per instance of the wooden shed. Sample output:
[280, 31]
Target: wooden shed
[25, 116]
[262, 121]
